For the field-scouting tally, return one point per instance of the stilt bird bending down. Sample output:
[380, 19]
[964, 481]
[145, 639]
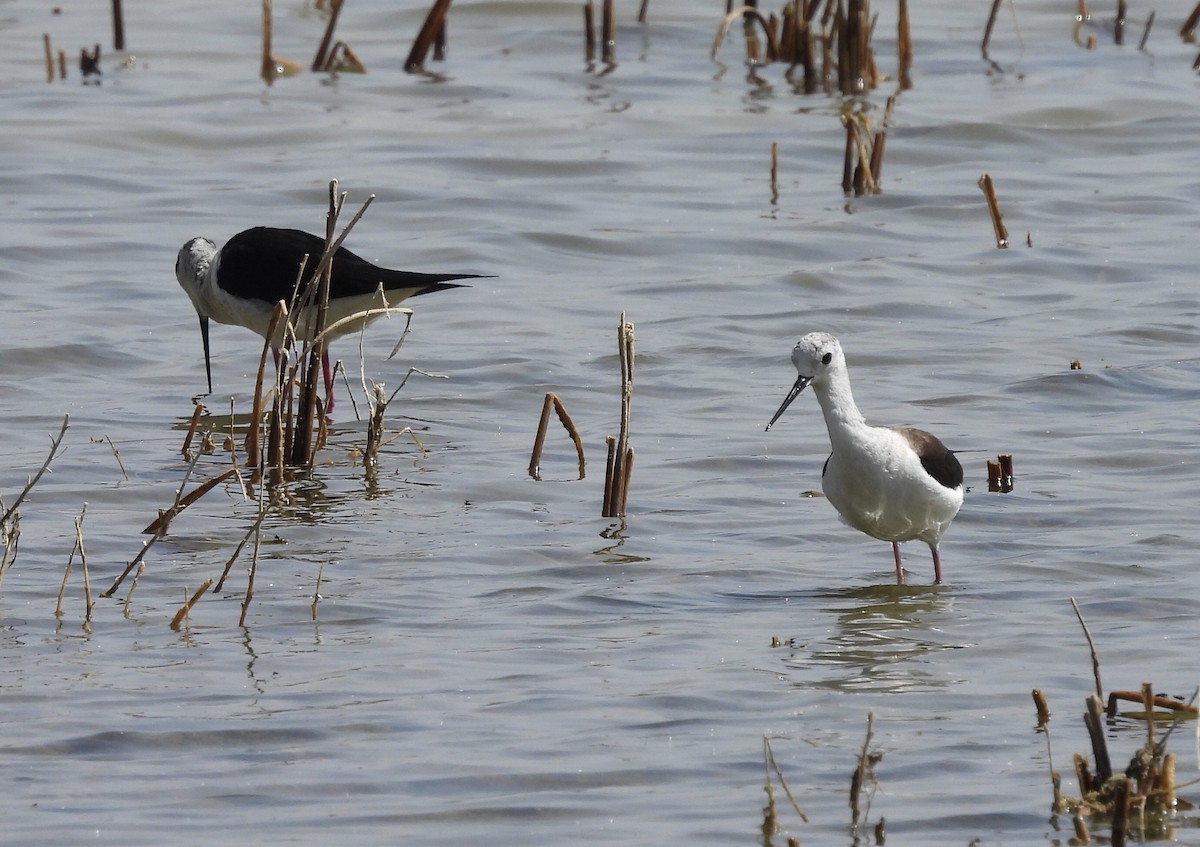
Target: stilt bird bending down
[240, 284]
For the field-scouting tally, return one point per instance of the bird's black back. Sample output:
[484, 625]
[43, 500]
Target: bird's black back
[263, 263]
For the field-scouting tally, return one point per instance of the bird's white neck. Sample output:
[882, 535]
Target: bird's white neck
[842, 416]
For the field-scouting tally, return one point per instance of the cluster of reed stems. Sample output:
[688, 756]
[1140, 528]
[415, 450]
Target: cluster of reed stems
[1144, 794]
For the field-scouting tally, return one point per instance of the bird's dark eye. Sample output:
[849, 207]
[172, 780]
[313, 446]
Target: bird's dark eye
[827, 358]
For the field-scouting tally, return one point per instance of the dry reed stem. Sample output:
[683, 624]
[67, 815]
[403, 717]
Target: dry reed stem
[55, 443]
[256, 409]
[1179, 709]
[989, 192]
[317, 590]
[116, 455]
[863, 772]
[608, 33]
[1119, 24]
[589, 32]
[89, 63]
[552, 401]
[49, 57]
[1188, 31]
[904, 54]
[263, 507]
[642, 11]
[434, 22]
[1093, 720]
[769, 765]
[193, 424]
[182, 503]
[77, 548]
[617, 475]
[164, 521]
[118, 26]
[774, 173]
[1146, 31]
[747, 13]
[185, 610]
[267, 71]
[254, 528]
[321, 59]
[1091, 647]
[11, 533]
[62, 63]
[987, 33]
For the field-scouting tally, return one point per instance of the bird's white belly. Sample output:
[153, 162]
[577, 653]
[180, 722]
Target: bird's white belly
[889, 495]
[255, 315]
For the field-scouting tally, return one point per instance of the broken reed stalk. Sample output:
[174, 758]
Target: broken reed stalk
[608, 34]
[987, 32]
[589, 32]
[322, 56]
[1188, 31]
[553, 402]
[55, 443]
[49, 57]
[267, 71]
[118, 26]
[1119, 25]
[904, 52]
[185, 610]
[620, 454]
[193, 425]
[769, 765]
[989, 192]
[434, 21]
[116, 455]
[1091, 647]
[861, 178]
[1146, 31]
[317, 590]
[748, 14]
[863, 772]
[774, 172]
[159, 527]
[251, 532]
[264, 504]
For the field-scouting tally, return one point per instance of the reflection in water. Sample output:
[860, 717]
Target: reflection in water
[883, 638]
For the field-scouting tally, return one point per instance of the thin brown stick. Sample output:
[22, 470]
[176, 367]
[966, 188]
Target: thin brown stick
[1091, 647]
[49, 57]
[774, 172]
[182, 503]
[317, 590]
[904, 52]
[434, 21]
[62, 589]
[1146, 31]
[263, 506]
[1093, 719]
[747, 13]
[1119, 25]
[1188, 31]
[539, 440]
[589, 32]
[159, 532]
[608, 33]
[118, 26]
[83, 562]
[55, 442]
[267, 70]
[861, 773]
[193, 424]
[987, 30]
[769, 762]
[321, 59]
[186, 609]
[989, 192]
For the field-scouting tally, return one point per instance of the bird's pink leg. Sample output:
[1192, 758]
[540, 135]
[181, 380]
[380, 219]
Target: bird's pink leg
[899, 567]
[937, 567]
[328, 371]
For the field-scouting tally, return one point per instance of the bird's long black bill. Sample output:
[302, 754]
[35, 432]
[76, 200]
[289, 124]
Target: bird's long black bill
[207, 360]
[801, 383]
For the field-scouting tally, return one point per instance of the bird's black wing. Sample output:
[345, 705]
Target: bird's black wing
[263, 264]
[938, 460]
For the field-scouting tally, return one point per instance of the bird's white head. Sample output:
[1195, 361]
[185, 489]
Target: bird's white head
[816, 356]
[191, 267]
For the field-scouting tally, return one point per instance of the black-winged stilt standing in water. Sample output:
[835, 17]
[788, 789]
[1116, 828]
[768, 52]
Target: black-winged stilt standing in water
[892, 484]
[240, 284]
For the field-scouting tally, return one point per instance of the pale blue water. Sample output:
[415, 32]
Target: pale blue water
[493, 661]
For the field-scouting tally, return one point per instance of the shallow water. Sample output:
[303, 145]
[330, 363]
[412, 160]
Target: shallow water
[491, 659]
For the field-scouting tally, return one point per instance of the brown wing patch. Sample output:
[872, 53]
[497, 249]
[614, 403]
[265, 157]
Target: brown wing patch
[938, 460]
